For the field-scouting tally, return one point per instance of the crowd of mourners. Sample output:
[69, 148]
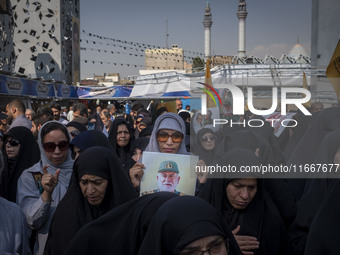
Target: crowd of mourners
[70, 183]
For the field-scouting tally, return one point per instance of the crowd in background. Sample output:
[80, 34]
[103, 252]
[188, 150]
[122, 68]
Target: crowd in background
[70, 183]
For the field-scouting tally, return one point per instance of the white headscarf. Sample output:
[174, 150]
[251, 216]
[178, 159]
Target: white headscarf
[65, 168]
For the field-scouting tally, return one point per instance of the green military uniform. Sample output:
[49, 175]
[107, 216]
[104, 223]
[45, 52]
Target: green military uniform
[166, 166]
[157, 190]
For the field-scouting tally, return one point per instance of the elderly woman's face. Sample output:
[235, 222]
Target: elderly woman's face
[208, 141]
[123, 135]
[56, 139]
[169, 141]
[93, 188]
[240, 192]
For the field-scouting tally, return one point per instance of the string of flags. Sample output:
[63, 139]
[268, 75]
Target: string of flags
[112, 63]
[157, 56]
[126, 45]
[133, 51]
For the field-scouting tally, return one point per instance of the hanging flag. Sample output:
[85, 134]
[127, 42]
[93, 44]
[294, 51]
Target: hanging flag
[208, 81]
[333, 70]
[305, 86]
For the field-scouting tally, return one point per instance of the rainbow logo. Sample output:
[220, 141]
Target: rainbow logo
[209, 93]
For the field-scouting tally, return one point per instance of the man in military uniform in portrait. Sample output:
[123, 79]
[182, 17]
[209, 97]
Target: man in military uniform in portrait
[167, 178]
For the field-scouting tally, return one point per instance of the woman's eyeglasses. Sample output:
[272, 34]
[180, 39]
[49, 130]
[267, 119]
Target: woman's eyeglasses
[209, 137]
[13, 142]
[50, 146]
[164, 136]
[216, 247]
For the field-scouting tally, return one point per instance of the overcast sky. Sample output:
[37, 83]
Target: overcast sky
[272, 27]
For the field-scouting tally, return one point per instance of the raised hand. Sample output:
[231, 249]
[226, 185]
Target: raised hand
[136, 174]
[48, 182]
[202, 174]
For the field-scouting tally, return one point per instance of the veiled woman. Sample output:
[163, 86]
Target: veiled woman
[41, 187]
[121, 138]
[120, 231]
[183, 224]
[21, 151]
[98, 184]
[88, 139]
[205, 145]
[276, 188]
[168, 136]
[250, 212]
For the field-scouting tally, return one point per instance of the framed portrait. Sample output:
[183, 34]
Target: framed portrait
[168, 172]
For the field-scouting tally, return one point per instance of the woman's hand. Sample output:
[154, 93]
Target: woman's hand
[246, 243]
[202, 175]
[48, 182]
[136, 174]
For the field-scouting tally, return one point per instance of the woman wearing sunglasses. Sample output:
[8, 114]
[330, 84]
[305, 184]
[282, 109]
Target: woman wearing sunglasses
[167, 137]
[41, 187]
[21, 151]
[205, 145]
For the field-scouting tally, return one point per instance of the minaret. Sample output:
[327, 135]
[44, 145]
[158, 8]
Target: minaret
[242, 15]
[207, 22]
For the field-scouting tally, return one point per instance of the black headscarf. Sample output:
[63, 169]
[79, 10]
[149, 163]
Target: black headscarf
[298, 132]
[123, 153]
[77, 125]
[121, 230]
[140, 143]
[28, 155]
[89, 139]
[74, 211]
[145, 132]
[99, 125]
[241, 139]
[260, 218]
[181, 221]
[207, 156]
[269, 142]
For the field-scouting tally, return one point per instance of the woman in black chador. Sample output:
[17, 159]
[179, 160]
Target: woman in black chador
[250, 212]
[97, 185]
[21, 141]
[121, 137]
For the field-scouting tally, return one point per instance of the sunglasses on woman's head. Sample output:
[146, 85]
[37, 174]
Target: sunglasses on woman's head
[13, 142]
[50, 146]
[164, 136]
[209, 137]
